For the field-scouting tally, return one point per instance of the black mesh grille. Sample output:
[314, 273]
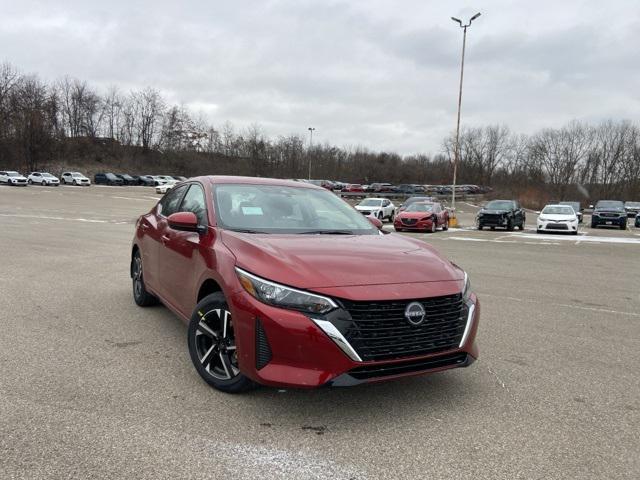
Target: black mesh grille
[377, 371]
[409, 221]
[263, 350]
[380, 331]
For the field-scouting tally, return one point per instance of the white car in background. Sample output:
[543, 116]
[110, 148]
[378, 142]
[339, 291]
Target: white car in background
[158, 180]
[380, 208]
[165, 187]
[558, 218]
[75, 178]
[43, 178]
[12, 178]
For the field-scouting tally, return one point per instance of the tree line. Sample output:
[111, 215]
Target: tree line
[44, 125]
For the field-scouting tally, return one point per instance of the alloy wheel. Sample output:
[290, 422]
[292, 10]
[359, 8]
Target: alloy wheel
[215, 344]
[138, 286]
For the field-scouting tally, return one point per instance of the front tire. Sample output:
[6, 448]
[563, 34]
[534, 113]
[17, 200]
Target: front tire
[212, 345]
[140, 294]
[445, 227]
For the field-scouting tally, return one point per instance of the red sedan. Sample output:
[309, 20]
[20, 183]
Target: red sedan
[422, 216]
[353, 187]
[282, 283]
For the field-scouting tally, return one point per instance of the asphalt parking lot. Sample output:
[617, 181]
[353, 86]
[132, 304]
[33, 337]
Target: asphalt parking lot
[94, 387]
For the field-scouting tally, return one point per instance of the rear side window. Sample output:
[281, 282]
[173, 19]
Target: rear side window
[171, 201]
[194, 202]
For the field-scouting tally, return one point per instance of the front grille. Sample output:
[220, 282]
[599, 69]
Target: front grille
[492, 218]
[557, 226]
[365, 212]
[263, 350]
[609, 215]
[380, 331]
[377, 371]
[409, 221]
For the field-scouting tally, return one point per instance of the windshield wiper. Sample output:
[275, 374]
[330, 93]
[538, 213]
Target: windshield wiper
[327, 232]
[244, 230]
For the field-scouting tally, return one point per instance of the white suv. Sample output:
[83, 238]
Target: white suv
[12, 178]
[380, 208]
[75, 178]
[43, 178]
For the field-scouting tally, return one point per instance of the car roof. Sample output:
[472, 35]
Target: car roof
[229, 179]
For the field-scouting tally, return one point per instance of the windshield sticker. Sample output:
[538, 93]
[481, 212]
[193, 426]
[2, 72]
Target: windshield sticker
[251, 211]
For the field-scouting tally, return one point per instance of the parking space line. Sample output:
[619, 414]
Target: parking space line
[562, 305]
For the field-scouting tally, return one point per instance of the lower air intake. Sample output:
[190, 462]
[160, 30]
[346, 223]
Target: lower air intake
[263, 350]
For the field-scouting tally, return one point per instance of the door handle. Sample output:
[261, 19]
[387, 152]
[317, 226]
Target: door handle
[164, 239]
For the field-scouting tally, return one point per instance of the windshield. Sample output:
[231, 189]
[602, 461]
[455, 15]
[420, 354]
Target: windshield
[285, 209]
[632, 204]
[370, 202]
[574, 205]
[76, 174]
[420, 207]
[13, 174]
[609, 205]
[558, 210]
[499, 205]
[47, 175]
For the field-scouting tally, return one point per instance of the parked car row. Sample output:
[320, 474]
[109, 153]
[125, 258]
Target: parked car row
[404, 188]
[47, 179]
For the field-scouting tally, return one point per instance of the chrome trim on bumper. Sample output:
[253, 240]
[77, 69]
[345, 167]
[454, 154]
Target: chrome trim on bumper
[467, 329]
[334, 334]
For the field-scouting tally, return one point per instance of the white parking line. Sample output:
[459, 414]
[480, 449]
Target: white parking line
[49, 217]
[562, 305]
[582, 239]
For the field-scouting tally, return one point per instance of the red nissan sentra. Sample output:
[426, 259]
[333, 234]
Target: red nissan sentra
[284, 284]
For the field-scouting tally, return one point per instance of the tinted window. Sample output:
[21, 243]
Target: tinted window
[171, 201]
[194, 202]
[499, 205]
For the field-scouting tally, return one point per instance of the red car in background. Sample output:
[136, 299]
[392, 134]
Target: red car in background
[284, 284]
[353, 187]
[422, 216]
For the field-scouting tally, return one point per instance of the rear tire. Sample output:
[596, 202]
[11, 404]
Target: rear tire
[510, 226]
[212, 346]
[140, 294]
[434, 225]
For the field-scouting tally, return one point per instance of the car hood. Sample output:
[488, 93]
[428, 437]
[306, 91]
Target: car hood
[549, 216]
[322, 261]
[405, 214]
[363, 207]
[495, 212]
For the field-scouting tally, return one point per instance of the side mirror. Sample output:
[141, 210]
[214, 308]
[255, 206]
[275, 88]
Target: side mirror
[184, 222]
[375, 221]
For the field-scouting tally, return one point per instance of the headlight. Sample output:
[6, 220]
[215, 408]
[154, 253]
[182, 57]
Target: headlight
[466, 290]
[284, 297]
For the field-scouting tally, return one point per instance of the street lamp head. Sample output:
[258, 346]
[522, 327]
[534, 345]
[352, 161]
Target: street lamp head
[457, 20]
[474, 17]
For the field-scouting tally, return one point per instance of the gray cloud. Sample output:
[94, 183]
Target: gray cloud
[382, 74]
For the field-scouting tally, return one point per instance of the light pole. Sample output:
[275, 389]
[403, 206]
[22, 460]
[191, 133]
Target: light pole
[311, 130]
[456, 154]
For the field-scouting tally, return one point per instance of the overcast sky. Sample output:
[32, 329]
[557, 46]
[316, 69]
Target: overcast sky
[382, 74]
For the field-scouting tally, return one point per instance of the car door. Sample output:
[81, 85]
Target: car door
[182, 253]
[154, 226]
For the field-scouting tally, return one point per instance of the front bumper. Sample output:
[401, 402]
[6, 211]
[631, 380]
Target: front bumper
[301, 353]
[554, 226]
[609, 219]
[492, 220]
[419, 225]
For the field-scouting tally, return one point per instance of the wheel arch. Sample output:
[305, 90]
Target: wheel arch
[208, 287]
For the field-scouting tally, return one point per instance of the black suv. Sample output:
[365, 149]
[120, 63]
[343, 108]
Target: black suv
[501, 213]
[609, 212]
[107, 179]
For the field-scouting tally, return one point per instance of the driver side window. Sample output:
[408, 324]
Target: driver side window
[171, 201]
[194, 202]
